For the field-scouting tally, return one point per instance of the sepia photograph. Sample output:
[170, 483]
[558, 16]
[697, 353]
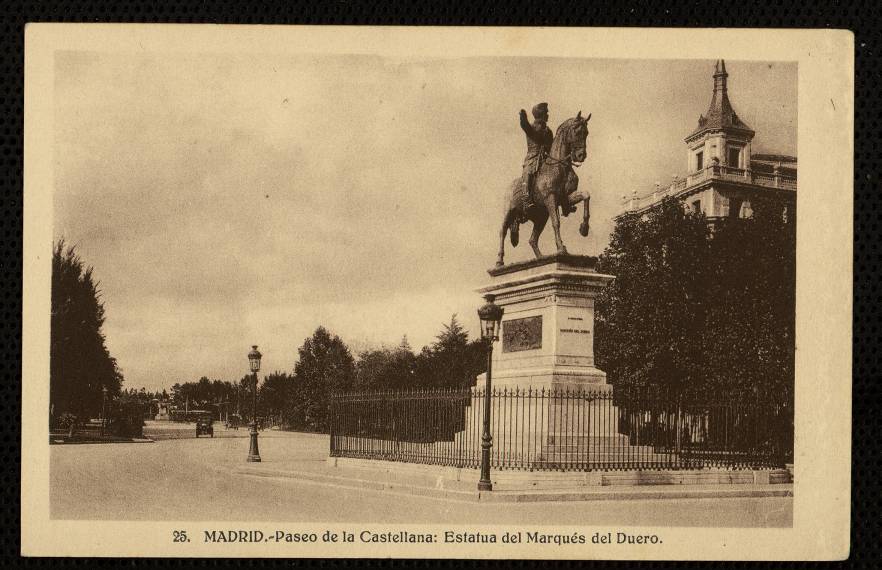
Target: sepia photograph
[359, 301]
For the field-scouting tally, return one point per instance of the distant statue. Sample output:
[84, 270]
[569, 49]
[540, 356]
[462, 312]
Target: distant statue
[548, 180]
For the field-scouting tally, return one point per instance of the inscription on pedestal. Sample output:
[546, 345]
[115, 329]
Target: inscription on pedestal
[522, 334]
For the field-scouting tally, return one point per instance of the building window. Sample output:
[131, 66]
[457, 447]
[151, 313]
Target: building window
[699, 161]
[734, 157]
[696, 206]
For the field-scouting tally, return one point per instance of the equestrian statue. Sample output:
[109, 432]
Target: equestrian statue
[548, 181]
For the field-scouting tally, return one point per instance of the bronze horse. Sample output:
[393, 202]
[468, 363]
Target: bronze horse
[556, 175]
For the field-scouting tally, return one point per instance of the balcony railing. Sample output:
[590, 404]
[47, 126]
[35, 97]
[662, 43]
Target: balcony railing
[713, 172]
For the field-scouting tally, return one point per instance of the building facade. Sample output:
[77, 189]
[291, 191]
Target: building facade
[723, 175]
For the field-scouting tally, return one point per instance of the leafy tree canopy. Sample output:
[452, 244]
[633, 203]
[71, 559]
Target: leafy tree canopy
[700, 309]
[325, 366]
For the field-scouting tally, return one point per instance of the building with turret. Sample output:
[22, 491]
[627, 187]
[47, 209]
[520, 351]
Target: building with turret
[722, 174]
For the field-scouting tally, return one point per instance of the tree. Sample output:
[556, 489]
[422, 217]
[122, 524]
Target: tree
[753, 288]
[275, 396]
[245, 396]
[452, 361]
[405, 344]
[697, 310]
[325, 366]
[214, 395]
[372, 372]
[386, 369]
[80, 365]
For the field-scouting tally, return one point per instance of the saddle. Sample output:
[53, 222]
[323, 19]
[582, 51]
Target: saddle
[526, 197]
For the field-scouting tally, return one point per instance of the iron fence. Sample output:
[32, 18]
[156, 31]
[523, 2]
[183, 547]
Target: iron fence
[566, 430]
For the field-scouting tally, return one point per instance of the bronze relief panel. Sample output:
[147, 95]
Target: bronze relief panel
[522, 334]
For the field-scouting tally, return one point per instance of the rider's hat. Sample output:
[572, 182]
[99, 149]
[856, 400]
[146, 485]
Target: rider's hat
[539, 110]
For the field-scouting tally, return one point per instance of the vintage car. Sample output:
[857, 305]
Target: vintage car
[204, 427]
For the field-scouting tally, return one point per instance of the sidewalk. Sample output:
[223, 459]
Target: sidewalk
[81, 439]
[514, 487]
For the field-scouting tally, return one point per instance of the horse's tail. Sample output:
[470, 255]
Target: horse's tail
[514, 209]
[518, 200]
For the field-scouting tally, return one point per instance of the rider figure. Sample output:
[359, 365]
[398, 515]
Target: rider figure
[539, 139]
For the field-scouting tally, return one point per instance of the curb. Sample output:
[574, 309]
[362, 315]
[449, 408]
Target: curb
[355, 483]
[601, 494]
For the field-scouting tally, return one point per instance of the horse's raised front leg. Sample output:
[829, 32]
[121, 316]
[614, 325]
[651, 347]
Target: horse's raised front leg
[551, 208]
[538, 226]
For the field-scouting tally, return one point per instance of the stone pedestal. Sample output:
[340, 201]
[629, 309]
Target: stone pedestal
[547, 337]
[547, 343]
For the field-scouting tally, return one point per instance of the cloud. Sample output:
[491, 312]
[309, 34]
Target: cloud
[227, 200]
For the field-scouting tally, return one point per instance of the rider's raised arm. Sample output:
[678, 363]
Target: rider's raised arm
[532, 133]
[528, 128]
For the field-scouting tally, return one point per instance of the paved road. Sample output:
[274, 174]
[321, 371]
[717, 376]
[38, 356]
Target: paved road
[174, 430]
[190, 479]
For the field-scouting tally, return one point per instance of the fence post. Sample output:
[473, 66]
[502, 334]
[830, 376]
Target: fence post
[333, 421]
[678, 428]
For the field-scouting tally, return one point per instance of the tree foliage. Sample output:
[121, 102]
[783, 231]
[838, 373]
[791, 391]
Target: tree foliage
[700, 310]
[276, 397]
[452, 361]
[205, 394]
[80, 366]
[385, 368]
[325, 366]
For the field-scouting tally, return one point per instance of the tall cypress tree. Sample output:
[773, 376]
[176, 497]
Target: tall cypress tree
[80, 365]
[452, 361]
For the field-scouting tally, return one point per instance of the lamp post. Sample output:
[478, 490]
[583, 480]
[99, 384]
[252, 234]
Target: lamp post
[103, 408]
[491, 317]
[254, 362]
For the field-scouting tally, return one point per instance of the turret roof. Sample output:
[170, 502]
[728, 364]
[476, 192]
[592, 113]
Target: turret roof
[720, 114]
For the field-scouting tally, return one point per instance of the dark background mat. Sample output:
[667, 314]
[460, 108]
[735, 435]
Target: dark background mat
[863, 17]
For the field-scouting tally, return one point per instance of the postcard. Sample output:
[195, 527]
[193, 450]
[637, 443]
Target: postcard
[577, 293]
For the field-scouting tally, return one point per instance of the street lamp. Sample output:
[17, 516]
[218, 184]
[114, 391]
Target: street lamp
[491, 317]
[254, 362]
[103, 408]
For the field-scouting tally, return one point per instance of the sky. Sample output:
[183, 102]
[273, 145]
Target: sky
[227, 200]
